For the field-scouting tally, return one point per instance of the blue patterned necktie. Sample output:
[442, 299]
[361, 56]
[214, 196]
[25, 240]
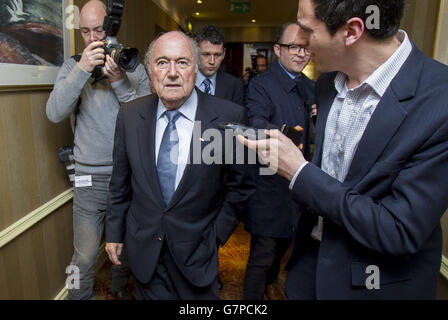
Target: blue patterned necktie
[167, 158]
[207, 85]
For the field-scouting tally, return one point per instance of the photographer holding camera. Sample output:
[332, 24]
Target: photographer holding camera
[95, 101]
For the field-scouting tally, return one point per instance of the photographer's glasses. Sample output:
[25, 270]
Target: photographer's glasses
[294, 48]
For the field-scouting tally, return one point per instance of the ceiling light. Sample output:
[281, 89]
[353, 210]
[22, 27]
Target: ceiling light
[199, 1]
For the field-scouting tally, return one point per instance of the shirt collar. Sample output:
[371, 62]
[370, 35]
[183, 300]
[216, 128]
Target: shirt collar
[200, 78]
[292, 76]
[188, 109]
[381, 78]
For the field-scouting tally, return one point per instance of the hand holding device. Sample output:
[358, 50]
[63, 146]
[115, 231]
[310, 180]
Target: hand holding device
[295, 134]
[245, 131]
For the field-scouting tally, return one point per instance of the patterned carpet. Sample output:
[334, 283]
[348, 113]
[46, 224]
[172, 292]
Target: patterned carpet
[232, 259]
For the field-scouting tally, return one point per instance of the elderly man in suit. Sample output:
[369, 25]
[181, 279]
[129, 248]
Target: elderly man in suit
[211, 78]
[375, 191]
[171, 211]
[281, 95]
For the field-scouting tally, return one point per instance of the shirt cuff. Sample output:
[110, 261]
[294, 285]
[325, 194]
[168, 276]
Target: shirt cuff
[293, 181]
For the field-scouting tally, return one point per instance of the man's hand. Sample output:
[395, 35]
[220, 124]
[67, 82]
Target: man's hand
[112, 71]
[278, 152]
[114, 251]
[92, 56]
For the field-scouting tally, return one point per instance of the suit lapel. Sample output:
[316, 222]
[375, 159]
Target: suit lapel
[146, 139]
[220, 90]
[205, 114]
[387, 118]
[382, 126]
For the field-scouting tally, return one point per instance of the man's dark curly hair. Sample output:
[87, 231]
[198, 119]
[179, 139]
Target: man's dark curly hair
[335, 13]
[210, 33]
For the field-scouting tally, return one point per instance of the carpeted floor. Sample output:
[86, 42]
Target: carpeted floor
[232, 259]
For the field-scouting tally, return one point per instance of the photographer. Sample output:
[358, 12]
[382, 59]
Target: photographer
[96, 103]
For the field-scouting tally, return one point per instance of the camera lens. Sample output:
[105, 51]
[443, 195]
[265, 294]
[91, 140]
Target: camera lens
[127, 59]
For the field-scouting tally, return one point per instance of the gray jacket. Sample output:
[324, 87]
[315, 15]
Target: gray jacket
[98, 108]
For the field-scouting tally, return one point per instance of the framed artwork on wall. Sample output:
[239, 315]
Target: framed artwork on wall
[441, 40]
[35, 39]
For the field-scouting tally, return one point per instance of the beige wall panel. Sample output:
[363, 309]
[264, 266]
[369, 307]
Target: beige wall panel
[33, 265]
[48, 138]
[11, 287]
[16, 129]
[31, 174]
[419, 22]
[58, 246]
[5, 203]
[441, 43]
[442, 293]
[445, 233]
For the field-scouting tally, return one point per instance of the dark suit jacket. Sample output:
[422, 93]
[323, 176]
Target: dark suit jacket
[229, 87]
[273, 101]
[387, 212]
[204, 209]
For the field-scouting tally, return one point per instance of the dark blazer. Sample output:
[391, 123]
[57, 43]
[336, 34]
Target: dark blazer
[204, 209]
[229, 87]
[387, 212]
[273, 101]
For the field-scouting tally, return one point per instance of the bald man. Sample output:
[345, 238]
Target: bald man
[171, 213]
[96, 105]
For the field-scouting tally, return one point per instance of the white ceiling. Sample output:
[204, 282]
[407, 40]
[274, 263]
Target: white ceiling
[266, 12]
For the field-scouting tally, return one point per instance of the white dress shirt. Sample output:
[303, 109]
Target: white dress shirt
[184, 126]
[200, 79]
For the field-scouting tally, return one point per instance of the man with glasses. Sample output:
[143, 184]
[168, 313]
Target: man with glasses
[374, 194]
[281, 95]
[211, 78]
[96, 104]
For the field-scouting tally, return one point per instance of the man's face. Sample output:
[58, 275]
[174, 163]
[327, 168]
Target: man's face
[211, 57]
[294, 59]
[261, 65]
[91, 24]
[173, 69]
[326, 50]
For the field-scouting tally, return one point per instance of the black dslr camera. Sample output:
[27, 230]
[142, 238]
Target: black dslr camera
[126, 58]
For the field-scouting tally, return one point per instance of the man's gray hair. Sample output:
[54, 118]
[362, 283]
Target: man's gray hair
[148, 55]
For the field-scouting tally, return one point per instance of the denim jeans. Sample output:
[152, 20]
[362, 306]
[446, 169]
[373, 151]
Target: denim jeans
[89, 210]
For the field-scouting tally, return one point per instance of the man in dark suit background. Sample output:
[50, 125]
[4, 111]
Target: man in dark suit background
[375, 191]
[281, 95]
[171, 209]
[211, 78]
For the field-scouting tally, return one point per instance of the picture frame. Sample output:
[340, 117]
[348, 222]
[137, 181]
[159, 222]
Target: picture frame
[441, 41]
[26, 77]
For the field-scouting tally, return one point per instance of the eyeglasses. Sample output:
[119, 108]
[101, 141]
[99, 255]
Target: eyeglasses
[294, 48]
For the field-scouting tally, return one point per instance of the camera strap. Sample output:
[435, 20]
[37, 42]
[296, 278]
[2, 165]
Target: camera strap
[77, 58]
